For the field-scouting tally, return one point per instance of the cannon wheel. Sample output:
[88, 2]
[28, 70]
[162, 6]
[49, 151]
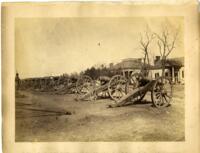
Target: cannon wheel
[85, 85]
[117, 87]
[133, 83]
[161, 93]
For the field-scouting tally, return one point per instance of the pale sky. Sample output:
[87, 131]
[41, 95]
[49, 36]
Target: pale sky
[53, 46]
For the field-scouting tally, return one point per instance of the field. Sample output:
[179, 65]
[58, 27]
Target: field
[44, 117]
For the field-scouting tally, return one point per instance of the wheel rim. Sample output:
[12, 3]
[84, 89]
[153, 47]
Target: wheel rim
[162, 92]
[117, 87]
[84, 85]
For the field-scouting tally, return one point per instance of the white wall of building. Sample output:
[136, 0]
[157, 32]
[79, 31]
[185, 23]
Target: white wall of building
[181, 75]
[158, 73]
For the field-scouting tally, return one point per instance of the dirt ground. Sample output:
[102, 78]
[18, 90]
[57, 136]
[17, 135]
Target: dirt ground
[50, 117]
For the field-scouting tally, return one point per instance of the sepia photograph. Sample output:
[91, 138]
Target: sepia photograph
[108, 79]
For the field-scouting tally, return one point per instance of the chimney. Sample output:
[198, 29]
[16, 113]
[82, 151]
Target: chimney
[139, 60]
[157, 59]
[111, 65]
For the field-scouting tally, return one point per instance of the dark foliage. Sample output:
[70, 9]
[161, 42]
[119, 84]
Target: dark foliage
[98, 71]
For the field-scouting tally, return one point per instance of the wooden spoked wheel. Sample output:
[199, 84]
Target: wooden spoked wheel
[85, 85]
[117, 87]
[161, 94]
[134, 83]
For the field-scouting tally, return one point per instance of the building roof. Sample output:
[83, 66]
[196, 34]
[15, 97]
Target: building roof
[130, 63]
[171, 62]
[179, 61]
[136, 63]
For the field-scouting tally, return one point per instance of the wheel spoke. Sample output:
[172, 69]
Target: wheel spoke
[161, 102]
[168, 96]
[165, 98]
[158, 94]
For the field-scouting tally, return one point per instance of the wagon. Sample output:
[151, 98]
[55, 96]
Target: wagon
[125, 90]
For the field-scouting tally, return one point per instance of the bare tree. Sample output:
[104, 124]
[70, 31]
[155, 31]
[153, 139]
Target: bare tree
[145, 40]
[166, 42]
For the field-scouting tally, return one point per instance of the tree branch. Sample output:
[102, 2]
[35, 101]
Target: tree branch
[160, 48]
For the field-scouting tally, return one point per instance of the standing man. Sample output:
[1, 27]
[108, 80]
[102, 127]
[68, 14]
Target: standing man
[17, 81]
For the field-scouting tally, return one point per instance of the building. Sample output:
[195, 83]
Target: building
[128, 66]
[174, 68]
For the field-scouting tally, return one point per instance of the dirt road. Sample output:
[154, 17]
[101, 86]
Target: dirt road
[50, 117]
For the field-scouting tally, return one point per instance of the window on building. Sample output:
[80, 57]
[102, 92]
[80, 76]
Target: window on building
[126, 74]
[156, 75]
[182, 74]
[166, 74]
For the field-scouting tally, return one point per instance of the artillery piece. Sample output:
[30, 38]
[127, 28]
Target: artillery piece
[138, 86]
[88, 89]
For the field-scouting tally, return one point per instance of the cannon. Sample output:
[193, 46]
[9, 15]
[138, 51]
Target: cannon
[161, 90]
[88, 89]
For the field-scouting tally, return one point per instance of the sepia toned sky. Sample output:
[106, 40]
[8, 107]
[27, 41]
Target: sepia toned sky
[53, 46]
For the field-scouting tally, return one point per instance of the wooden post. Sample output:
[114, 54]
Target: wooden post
[173, 79]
